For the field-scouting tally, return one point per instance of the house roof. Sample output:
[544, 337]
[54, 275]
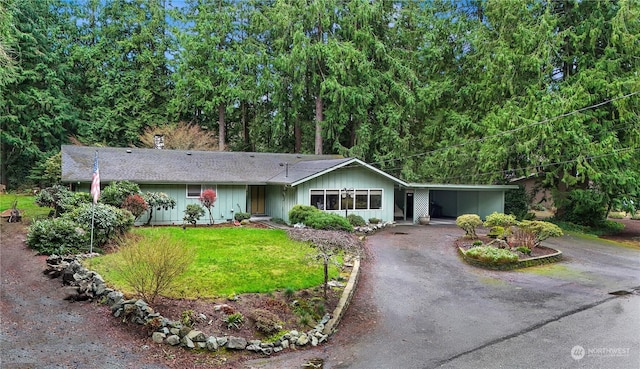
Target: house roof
[182, 166]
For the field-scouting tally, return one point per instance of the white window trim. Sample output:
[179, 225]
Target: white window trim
[352, 191]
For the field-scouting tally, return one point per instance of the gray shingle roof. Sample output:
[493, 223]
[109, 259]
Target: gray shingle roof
[180, 166]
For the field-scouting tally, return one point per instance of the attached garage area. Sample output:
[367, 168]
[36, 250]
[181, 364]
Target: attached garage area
[449, 201]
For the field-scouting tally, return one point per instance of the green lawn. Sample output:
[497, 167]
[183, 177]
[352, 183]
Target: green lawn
[25, 203]
[230, 261]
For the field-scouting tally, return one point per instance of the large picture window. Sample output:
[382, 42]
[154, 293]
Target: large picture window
[351, 199]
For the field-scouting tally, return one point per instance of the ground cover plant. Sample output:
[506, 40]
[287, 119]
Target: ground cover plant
[228, 261]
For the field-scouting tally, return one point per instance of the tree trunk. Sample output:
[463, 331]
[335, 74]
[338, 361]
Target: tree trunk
[318, 124]
[221, 128]
[245, 126]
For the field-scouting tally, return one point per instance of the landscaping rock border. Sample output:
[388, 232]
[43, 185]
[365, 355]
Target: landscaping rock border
[524, 263]
[83, 284]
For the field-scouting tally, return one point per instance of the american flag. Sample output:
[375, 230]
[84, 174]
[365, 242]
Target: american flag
[95, 180]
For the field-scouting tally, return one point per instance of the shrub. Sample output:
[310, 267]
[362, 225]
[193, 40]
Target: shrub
[611, 226]
[523, 237]
[234, 320]
[300, 213]
[636, 216]
[57, 236]
[516, 202]
[76, 199]
[151, 265]
[135, 204]
[523, 249]
[53, 197]
[542, 230]
[500, 220]
[266, 321]
[477, 243]
[469, 223]
[583, 207]
[117, 192]
[374, 220]
[193, 213]
[207, 199]
[356, 220]
[240, 216]
[158, 201]
[108, 221]
[491, 255]
[498, 232]
[328, 221]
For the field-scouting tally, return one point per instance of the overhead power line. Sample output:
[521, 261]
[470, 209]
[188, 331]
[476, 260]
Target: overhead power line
[501, 133]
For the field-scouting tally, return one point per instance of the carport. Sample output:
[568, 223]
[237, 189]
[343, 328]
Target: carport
[448, 200]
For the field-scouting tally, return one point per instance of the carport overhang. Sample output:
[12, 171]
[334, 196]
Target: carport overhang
[452, 200]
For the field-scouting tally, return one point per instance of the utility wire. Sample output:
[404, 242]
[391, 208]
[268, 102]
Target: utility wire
[517, 128]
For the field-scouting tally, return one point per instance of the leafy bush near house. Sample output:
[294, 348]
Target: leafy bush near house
[108, 221]
[53, 197]
[117, 192]
[516, 202]
[158, 201]
[328, 221]
[300, 213]
[135, 204]
[374, 220]
[500, 220]
[498, 232]
[491, 255]
[57, 236]
[583, 207]
[193, 213]
[356, 220]
[76, 199]
[469, 223]
[240, 216]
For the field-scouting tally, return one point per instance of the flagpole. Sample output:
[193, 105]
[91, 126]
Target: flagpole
[95, 193]
[93, 215]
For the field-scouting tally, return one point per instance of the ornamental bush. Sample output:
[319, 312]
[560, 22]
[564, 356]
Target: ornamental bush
[117, 192]
[193, 213]
[356, 220]
[158, 201]
[328, 221]
[542, 230]
[300, 213]
[240, 216]
[469, 223]
[69, 203]
[266, 321]
[500, 220]
[108, 221]
[53, 197]
[135, 204]
[57, 236]
[491, 255]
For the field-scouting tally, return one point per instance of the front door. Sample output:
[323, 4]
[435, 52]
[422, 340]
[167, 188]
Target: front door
[257, 199]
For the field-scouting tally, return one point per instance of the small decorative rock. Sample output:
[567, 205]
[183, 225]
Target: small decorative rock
[158, 337]
[212, 344]
[173, 340]
[236, 343]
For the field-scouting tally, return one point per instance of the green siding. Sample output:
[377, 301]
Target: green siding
[358, 178]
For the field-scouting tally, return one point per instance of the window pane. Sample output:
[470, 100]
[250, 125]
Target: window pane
[375, 199]
[361, 199]
[317, 199]
[193, 190]
[333, 200]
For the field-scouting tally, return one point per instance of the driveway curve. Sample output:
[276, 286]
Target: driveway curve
[428, 309]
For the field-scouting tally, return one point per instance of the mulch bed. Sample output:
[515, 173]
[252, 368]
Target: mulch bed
[466, 243]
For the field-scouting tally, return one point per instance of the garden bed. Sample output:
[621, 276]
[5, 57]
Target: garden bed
[539, 255]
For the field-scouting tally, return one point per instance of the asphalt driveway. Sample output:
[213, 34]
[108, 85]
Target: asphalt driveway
[434, 311]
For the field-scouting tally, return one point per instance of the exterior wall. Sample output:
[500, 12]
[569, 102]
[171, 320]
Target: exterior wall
[458, 202]
[350, 178]
[279, 200]
[228, 199]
